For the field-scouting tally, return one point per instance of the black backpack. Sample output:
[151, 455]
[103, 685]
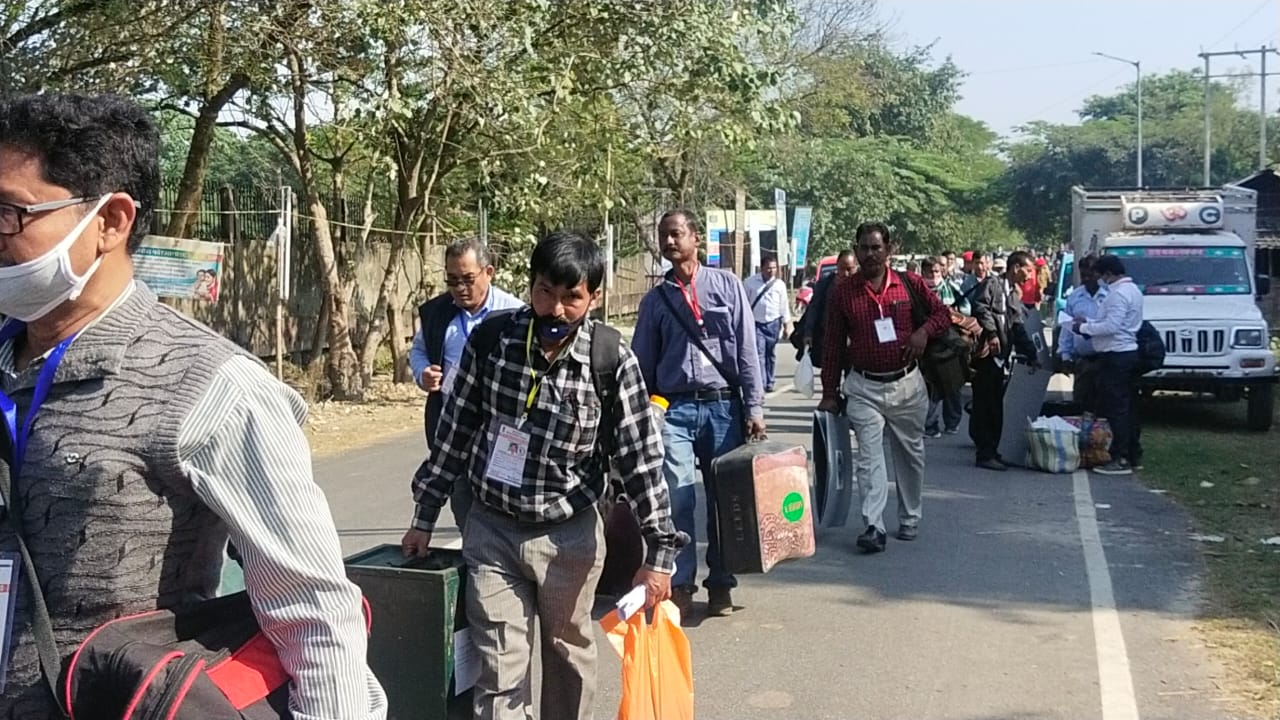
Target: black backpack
[1151, 349]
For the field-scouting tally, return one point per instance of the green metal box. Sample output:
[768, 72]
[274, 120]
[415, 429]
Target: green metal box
[416, 607]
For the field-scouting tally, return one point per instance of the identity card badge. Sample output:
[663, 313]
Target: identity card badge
[10, 563]
[506, 458]
[885, 332]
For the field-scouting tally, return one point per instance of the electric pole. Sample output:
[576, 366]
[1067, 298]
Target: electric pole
[1262, 53]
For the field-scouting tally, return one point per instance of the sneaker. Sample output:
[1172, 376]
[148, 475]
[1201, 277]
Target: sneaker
[934, 435]
[908, 532]
[720, 603]
[872, 540]
[682, 598]
[1115, 467]
[768, 388]
[951, 431]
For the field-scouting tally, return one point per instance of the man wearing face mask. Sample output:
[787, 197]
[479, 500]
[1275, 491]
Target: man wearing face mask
[447, 320]
[529, 427]
[138, 441]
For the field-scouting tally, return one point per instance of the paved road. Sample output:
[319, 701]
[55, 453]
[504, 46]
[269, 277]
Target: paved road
[1014, 602]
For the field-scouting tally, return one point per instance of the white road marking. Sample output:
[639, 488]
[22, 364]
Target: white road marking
[1115, 681]
[779, 391]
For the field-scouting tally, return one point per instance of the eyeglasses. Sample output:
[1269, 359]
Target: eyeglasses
[13, 217]
[459, 282]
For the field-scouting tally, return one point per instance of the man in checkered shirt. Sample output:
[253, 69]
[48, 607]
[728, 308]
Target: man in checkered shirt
[526, 426]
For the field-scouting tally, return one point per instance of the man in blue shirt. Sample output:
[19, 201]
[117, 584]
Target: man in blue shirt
[695, 339]
[446, 321]
[1079, 358]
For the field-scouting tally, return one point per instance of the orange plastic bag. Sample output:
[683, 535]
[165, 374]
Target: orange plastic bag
[657, 667]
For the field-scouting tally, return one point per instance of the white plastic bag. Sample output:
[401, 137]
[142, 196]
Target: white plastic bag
[804, 376]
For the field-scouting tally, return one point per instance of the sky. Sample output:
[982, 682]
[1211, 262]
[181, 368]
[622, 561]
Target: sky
[1031, 59]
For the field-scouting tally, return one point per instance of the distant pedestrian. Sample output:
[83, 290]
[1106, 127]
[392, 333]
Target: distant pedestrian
[871, 334]
[771, 307]
[696, 343]
[1114, 334]
[811, 325]
[997, 306]
[1077, 354]
[946, 412]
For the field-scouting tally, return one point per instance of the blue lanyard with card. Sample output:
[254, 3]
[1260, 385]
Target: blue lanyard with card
[19, 435]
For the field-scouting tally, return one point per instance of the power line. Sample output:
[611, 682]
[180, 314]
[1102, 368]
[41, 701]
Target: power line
[1240, 24]
[1076, 95]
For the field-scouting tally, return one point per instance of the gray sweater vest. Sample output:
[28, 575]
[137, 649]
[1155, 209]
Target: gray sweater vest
[112, 522]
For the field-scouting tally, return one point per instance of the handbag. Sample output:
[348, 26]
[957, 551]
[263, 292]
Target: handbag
[947, 359]
[205, 661]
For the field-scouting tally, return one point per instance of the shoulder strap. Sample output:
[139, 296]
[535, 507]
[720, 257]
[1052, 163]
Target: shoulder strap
[606, 358]
[764, 290]
[485, 337]
[696, 337]
[919, 307]
[41, 624]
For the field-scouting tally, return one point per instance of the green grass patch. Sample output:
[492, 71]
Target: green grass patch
[1229, 481]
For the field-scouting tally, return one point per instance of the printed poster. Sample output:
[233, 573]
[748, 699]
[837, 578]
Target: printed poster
[178, 268]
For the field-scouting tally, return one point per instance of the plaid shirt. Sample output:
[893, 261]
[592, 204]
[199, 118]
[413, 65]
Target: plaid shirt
[565, 468]
[850, 339]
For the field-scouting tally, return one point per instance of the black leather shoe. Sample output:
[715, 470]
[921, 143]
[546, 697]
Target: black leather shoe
[993, 464]
[719, 602]
[872, 541]
[683, 600]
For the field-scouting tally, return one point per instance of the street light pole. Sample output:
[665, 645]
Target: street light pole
[1137, 65]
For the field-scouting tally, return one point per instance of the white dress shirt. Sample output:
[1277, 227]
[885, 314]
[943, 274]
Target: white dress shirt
[774, 304]
[1119, 317]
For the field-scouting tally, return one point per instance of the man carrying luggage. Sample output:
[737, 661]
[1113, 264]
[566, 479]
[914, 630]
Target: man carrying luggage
[870, 332]
[528, 427]
[696, 342]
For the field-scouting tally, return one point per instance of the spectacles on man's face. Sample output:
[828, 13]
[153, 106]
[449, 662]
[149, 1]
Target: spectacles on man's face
[13, 217]
[461, 282]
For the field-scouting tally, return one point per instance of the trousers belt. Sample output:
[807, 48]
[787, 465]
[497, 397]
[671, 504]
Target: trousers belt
[887, 377]
[704, 395]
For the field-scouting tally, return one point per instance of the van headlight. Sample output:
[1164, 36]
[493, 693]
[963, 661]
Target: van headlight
[1249, 338]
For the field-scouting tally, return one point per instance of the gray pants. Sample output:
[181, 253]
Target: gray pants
[889, 417]
[519, 574]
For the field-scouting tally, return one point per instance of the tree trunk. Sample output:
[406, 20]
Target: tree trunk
[340, 366]
[387, 291]
[191, 188]
[399, 348]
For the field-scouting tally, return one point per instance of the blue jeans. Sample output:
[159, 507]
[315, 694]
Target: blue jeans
[698, 432]
[767, 335]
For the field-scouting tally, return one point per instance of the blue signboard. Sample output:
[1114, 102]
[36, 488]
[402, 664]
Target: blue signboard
[800, 235]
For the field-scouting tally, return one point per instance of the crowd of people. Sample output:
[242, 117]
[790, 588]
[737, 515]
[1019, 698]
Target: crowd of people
[536, 415]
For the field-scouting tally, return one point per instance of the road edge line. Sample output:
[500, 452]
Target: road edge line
[1115, 679]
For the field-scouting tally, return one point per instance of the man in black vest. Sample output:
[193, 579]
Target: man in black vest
[447, 320]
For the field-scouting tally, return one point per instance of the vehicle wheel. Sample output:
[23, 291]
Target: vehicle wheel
[1262, 405]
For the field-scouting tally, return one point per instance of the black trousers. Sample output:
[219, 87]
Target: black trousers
[986, 421]
[1117, 386]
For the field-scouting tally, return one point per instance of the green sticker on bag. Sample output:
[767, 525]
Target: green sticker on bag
[793, 507]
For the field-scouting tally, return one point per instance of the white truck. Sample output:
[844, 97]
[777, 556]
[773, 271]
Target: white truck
[1192, 253]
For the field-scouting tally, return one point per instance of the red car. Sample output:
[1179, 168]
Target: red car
[826, 266]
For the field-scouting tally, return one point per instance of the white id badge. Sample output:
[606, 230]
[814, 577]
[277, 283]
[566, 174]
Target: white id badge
[885, 331]
[704, 361]
[506, 458]
[9, 565]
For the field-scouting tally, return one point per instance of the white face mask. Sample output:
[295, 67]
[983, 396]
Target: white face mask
[33, 289]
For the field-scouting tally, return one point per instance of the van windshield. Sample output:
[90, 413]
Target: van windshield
[1187, 270]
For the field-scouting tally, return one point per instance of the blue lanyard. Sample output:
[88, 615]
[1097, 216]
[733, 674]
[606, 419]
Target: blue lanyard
[44, 383]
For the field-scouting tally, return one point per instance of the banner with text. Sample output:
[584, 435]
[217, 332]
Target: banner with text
[178, 268]
[800, 235]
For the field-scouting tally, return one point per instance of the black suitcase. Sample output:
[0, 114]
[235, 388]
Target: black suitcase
[763, 509]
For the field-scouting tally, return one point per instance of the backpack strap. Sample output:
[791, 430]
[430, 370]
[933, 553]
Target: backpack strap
[484, 339]
[606, 358]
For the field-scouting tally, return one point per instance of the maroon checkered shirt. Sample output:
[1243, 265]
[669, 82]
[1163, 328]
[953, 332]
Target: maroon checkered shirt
[850, 340]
